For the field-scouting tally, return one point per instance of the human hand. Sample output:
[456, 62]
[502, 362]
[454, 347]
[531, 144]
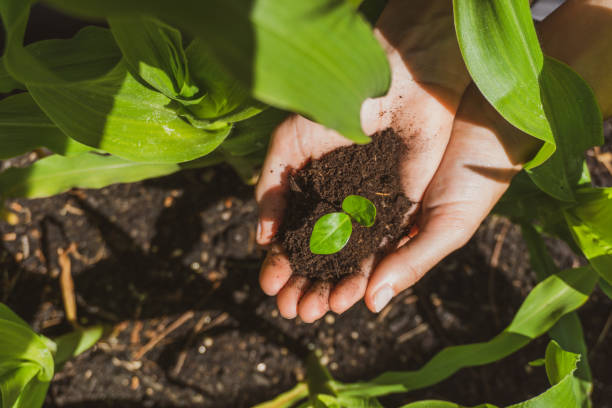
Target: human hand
[428, 81]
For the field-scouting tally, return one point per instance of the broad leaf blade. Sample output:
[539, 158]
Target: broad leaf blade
[590, 221]
[121, 116]
[154, 52]
[554, 297]
[72, 344]
[24, 127]
[331, 233]
[360, 209]
[315, 57]
[56, 174]
[559, 363]
[535, 93]
[114, 113]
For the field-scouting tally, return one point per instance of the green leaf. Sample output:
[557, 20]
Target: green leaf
[561, 87]
[154, 53]
[72, 344]
[537, 94]
[13, 384]
[360, 209]
[226, 98]
[119, 115]
[287, 399]
[331, 233]
[568, 330]
[114, 113]
[537, 363]
[33, 395]
[253, 135]
[56, 174]
[90, 54]
[606, 288]
[590, 222]
[551, 299]
[24, 127]
[559, 363]
[316, 57]
[8, 314]
[19, 344]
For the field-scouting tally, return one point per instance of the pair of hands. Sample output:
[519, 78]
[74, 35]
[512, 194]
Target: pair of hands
[462, 157]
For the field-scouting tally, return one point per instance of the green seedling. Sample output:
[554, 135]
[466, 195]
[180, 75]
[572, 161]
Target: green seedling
[332, 231]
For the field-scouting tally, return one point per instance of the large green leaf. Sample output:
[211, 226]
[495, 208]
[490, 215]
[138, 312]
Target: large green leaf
[121, 116]
[551, 299]
[56, 174]
[316, 57]
[226, 99]
[24, 127]
[537, 94]
[154, 52]
[91, 53]
[560, 363]
[568, 330]
[590, 221]
[26, 363]
[114, 112]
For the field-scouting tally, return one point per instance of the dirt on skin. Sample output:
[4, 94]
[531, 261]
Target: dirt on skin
[319, 188]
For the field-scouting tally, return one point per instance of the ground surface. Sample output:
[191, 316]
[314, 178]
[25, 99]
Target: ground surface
[181, 249]
[158, 259]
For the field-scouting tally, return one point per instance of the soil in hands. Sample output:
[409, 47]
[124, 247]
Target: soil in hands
[371, 171]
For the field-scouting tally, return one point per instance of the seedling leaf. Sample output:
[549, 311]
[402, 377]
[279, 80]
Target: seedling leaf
[361, 209]
[330, 234]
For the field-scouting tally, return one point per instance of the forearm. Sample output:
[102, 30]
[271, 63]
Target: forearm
[580, 34]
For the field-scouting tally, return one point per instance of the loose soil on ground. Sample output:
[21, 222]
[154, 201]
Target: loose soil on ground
[170, 265]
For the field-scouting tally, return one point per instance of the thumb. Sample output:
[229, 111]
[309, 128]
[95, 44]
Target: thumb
[443, 230]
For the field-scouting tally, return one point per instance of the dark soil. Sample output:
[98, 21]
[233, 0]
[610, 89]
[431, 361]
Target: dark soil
[182, 247]
[370, 171]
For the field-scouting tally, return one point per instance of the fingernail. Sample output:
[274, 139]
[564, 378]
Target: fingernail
[382, 297]
[259, 231]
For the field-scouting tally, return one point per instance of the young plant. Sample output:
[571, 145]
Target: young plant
[332, 231]
[28, 360]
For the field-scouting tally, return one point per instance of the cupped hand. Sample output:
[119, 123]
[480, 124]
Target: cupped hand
[428, 81]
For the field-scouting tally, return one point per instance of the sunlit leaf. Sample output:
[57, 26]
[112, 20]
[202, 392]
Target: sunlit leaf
[74, 343]
[24, 127]
[114, 112]
[590, 221]
[360, 209]
[331, 233]
[551, 299]
[537, 94]
[316, 57]
[56, 174]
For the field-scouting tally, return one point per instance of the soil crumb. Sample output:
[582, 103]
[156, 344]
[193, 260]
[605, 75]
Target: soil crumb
[370, 170]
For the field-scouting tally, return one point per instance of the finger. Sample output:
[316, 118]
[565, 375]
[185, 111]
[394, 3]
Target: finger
[351, 289]
[315, 303]
[275, 272]
[348, 292]
[290, 295]
[284, 154]
[442, 234]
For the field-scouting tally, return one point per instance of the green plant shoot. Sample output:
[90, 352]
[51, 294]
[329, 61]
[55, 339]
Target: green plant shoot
[332, 231]
[360, 209]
